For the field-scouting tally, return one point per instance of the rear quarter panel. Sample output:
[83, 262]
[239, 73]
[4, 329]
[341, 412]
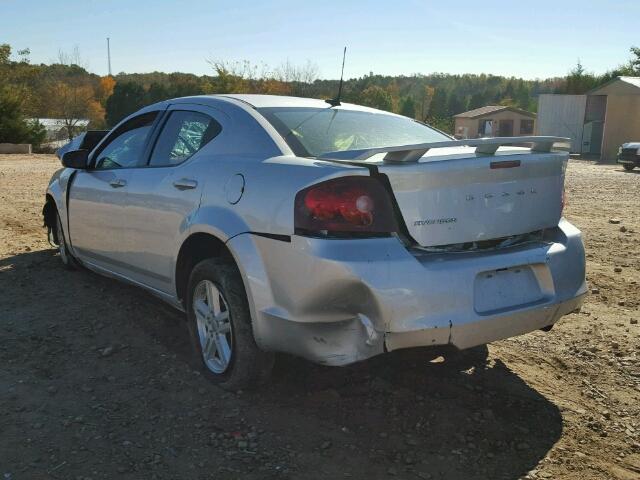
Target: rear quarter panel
[267, 199]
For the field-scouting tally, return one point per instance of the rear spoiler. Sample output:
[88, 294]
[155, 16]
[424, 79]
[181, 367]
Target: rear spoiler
[412, 153]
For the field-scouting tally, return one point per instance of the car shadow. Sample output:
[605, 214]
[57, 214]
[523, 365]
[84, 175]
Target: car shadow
[420, 413]
[434, 413]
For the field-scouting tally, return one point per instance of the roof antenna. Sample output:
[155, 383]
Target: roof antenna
[335, 102]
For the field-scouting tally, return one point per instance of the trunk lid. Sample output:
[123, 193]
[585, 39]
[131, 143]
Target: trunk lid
[455, 195]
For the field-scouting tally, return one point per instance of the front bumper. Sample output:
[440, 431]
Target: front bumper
[628, 159]
[340, 301]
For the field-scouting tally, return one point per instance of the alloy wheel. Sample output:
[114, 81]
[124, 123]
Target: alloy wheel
[214, 326]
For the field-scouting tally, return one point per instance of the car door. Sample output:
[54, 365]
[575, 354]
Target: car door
[98, 195]
[165, 194]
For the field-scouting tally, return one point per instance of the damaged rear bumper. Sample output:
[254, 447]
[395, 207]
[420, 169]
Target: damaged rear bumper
[336, 302]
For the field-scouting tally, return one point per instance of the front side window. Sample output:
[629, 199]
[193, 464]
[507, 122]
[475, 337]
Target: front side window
[183, 134]
[125, 150]
[311, 132]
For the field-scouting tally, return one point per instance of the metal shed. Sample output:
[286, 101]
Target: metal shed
[620, 109]
[562, 116]
[598, 122]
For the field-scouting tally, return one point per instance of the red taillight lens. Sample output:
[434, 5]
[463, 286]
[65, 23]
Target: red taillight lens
[346, 204]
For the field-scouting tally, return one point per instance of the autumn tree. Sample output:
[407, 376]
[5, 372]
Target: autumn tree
[427, 96]
[72, 95]
[72, 103]
[292, 79]
[105, 89]
[272, 86]
[436, 96]
[393, 89]
[232, 77]
[376, 97]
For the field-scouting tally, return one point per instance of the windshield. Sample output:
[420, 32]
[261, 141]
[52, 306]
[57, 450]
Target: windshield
[311, 132]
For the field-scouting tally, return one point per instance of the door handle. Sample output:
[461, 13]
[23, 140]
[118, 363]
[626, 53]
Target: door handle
[117, 183]
[185, 184]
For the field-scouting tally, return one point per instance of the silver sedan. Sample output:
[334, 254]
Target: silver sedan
[332, 232]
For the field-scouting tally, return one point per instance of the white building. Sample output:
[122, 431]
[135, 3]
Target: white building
[57, 127]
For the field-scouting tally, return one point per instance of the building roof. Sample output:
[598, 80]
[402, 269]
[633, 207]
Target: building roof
[635, 81]
[51, 123]
[630, 84]
[489, 109]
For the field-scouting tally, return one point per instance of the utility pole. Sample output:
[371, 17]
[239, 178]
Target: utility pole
[109, 55]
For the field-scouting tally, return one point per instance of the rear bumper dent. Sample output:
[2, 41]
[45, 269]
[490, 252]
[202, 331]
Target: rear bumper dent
[486, 330]
[336, 302]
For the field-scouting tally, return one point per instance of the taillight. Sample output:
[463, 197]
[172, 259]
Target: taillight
[345, 205]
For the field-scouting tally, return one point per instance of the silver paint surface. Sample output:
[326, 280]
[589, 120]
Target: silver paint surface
[336, 301]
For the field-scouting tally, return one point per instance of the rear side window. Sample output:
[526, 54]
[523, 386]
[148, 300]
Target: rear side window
[183, 134]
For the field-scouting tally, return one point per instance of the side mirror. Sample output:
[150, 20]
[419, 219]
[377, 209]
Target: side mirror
[76, 159]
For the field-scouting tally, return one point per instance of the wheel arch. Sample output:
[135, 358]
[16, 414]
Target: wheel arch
[49, 211]
[56, 201]
[195, 248]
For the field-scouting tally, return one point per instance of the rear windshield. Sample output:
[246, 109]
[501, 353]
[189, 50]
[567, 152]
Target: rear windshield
[311, 132]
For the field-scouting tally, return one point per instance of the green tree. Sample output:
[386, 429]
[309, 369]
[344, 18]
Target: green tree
[377, 97]
[14, 128]
[438, 107]
[127, 97]
[5, 53]
[157, 93]
[477, 100]
[522, 96]
[408, 107]
[579, 81]
[455, 105]
[634, 63]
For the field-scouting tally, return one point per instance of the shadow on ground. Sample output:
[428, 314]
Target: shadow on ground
[76, 345]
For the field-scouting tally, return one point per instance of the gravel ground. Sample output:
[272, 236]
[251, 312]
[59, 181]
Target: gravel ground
[96, 379]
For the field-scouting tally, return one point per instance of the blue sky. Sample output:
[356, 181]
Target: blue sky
[522, 38]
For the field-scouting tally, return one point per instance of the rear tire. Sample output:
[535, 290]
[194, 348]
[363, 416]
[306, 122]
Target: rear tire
[220, 327]
[67, 259]
[628, 166]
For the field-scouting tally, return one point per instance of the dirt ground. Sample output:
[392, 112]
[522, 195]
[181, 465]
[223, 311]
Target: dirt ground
[96, 379]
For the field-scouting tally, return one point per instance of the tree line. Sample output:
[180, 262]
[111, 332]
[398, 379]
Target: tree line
[65, 90]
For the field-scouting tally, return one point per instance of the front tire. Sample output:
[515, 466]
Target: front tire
[67, 259]
[628, 166]
[219, 322]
